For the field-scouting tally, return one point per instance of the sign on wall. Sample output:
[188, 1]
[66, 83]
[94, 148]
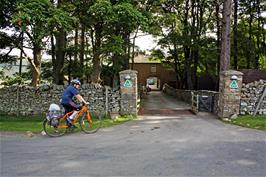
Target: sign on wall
[233, 84]
[128, 83]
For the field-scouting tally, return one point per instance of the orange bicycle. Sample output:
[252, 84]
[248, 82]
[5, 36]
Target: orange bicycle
[59, 126]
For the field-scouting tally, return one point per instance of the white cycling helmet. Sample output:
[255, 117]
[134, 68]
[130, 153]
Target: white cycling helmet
[75, 81]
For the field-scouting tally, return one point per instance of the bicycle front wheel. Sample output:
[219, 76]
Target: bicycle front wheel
[53, 131]
[90, 123]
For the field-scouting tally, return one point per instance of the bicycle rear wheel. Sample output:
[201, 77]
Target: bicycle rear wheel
[54, 131]
[91, 125]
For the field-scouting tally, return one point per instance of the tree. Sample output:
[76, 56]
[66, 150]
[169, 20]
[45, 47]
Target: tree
[184, 25]
[250, 29]
[99, 15]
[235, 34]
[7, 9]
[128, 18]
[218, 35]
[59, 50]
[225, 43]
[110, 25]
[34, 17]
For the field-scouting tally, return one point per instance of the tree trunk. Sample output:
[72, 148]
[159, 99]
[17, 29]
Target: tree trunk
[258, 35]
[82, 49]
[125, 60]
[76, 44]
[196, 50]
[196, 62]
[176, 64]
[60, 53]
[96, 73]
[53, 52]
[225, 43]
[192, 39]
[218, 44]
[128, 51]
[69, 68]
[60, 57]
[53, 55]
[36, 65]
[249, 35]
[235, 34]
[21, 52]
[133, 50]
[115, 76]
[189, 83]
[96, 61]
[75, 63]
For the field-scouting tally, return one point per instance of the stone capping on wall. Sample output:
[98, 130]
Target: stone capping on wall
[185, 95]
[26, 100]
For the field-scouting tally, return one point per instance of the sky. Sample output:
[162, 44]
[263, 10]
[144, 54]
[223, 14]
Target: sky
[146, 42]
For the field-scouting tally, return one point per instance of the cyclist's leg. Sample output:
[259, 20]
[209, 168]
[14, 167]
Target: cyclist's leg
[71, 107]
[75, 109]
[68, 108]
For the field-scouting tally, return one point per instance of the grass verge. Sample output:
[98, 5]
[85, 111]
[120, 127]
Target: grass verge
[33, 124]
[257, 122]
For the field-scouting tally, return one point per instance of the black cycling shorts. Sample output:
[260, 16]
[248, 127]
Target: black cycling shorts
[71, 106]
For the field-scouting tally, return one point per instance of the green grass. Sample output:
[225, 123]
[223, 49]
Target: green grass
[257, 122]
[21, 123]
[34, 123]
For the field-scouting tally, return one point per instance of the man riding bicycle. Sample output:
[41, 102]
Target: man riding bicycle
[67, 99]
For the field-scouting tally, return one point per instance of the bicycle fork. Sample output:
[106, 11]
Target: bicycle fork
[88, 116]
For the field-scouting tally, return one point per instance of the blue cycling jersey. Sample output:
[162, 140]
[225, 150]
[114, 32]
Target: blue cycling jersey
[68, 94]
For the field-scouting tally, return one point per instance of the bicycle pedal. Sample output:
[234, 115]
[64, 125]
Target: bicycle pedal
[74, 126]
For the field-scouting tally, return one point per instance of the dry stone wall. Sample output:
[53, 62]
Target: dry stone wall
[185, 95]
[250, 96]
[25, 100]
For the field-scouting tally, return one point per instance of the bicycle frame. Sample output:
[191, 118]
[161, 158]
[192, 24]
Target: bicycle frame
[88, 124]
[83, 110]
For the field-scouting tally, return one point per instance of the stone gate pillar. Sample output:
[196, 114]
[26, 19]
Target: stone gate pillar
[129, 92]
[229, 93]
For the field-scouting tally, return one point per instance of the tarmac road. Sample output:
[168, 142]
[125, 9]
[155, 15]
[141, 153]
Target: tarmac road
[185, 145]
[175, 145]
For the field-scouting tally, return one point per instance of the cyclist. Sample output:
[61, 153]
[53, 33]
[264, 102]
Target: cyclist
[67, 99]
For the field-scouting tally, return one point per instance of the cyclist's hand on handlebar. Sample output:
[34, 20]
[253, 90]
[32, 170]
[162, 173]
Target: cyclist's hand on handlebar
[86, 103]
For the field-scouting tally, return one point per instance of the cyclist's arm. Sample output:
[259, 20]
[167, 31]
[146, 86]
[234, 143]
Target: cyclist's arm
[80, 98]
